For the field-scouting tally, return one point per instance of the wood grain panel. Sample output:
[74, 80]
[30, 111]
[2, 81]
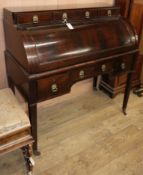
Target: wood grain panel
[34, 4]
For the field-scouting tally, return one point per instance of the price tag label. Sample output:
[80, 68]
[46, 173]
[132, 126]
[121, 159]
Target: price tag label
[32, 161]
[69, 25]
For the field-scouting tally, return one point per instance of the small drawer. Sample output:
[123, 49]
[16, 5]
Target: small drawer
[82, 73]
[33, 17]
[109, 12]
[104, 67]
[90, 14]
[53, 86]
[68, 15]
[123, 64]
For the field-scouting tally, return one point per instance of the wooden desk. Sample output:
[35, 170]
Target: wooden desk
[44, 57]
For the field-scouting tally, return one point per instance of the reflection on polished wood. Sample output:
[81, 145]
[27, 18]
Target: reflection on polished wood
[79, 137]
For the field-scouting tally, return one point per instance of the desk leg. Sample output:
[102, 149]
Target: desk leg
[11, 84]
[33, 120]
[127, 93]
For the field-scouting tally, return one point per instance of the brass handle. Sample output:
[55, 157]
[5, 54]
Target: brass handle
[87, 14]
[103, 68]
[81, 74]
[35, 19]
[65, 17]
[109, 12]
[123, 66]
[54, 88]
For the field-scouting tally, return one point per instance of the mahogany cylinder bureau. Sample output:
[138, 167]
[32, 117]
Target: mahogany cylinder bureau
[48, 51]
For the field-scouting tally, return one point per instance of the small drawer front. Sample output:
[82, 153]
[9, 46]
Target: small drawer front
[123, 64]
[90, 14]
[53, 86]
[104, 67]
[66, 15]
[33, 18]
[82, 73]
[109, 12]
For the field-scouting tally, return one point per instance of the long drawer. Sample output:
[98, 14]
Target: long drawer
[60, 84]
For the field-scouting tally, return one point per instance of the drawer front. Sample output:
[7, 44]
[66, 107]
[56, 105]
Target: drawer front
[33, 17]
[104, 67]
[53, 86]
[109, 12]
[82, 73]
[123, 64]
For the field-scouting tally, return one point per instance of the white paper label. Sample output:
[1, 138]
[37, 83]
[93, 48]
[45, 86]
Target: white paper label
[32, 161]
[70, 26]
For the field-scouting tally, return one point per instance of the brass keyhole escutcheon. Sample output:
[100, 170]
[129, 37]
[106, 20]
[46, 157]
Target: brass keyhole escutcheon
[81, 74]
[54, 88]
[65, 17]
[103, 68]
[35, 19]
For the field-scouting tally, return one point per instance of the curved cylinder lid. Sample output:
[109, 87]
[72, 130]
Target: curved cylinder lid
[54, 48]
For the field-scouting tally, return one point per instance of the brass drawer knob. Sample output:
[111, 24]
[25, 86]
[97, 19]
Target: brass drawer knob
[87, 14]
[65, 17]
[123, 66]
[109, 13]
[54, 88]
[103, 68]
[81, 74]
[35, 19]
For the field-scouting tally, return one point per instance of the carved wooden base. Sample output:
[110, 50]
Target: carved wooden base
[27, 152]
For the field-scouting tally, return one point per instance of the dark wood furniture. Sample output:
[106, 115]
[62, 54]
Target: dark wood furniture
[115, 84]
[44, 58]
[15, 128]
